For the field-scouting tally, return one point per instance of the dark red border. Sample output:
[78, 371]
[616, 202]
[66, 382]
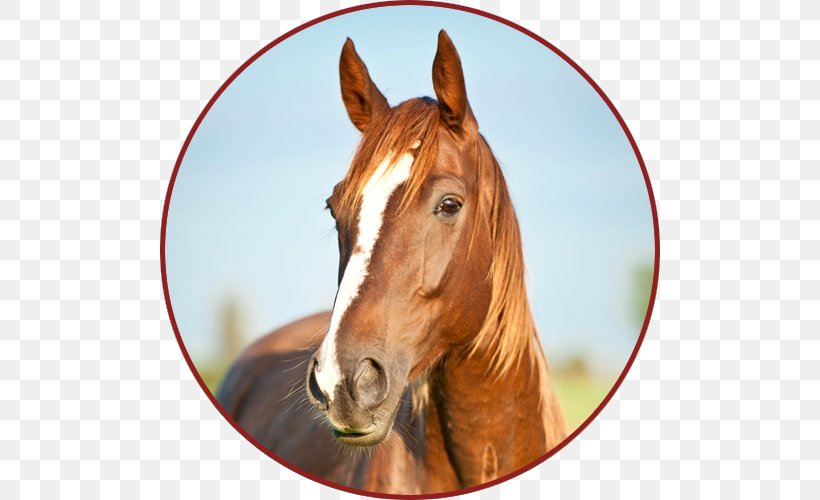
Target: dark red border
[429, 4]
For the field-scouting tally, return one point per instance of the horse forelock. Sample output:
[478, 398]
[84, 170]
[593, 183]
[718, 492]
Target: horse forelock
[409, 127]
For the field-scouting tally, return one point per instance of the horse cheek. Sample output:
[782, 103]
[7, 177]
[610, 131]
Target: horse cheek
[438, 255]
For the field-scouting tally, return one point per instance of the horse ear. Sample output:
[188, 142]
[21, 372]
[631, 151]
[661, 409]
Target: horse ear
[448, 82]
[360, 95]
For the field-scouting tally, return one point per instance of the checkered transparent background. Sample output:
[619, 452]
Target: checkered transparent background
[96, 98]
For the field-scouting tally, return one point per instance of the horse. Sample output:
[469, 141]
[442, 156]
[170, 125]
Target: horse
[428, 375]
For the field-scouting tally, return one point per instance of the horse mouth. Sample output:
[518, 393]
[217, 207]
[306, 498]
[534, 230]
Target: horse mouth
[366, 437]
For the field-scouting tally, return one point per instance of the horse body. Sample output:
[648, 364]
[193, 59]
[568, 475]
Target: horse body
[428, 375]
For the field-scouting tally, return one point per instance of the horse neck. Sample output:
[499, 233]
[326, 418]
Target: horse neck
[479, 426]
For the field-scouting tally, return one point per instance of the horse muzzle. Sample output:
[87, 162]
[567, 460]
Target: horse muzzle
[358, 407]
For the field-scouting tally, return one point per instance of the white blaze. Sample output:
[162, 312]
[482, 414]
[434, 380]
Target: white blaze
[375, 195]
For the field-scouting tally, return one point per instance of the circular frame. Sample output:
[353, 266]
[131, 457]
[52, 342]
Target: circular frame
[558, 52]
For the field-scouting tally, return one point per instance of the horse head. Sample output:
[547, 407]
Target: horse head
[423, 220]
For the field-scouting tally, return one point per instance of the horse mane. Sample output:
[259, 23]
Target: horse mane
[508, 330]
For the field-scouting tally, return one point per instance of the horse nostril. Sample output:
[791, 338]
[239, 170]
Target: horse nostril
[369, 384]
[318, 397]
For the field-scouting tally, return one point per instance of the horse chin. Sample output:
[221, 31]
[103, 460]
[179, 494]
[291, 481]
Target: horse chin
[371, 436]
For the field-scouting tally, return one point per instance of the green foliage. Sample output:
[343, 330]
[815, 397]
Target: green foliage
[641, 289]
[579, 395]
[212, 374]
[231, 338]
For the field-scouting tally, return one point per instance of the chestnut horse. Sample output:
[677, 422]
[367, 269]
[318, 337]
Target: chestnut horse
[428, 375]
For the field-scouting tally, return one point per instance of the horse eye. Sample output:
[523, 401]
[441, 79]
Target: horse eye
[330, 209]
[448, 206]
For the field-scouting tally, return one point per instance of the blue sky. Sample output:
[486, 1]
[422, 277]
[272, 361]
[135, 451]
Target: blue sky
[246, 219]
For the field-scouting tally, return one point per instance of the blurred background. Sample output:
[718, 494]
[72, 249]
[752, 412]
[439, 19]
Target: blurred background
[250, 248]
